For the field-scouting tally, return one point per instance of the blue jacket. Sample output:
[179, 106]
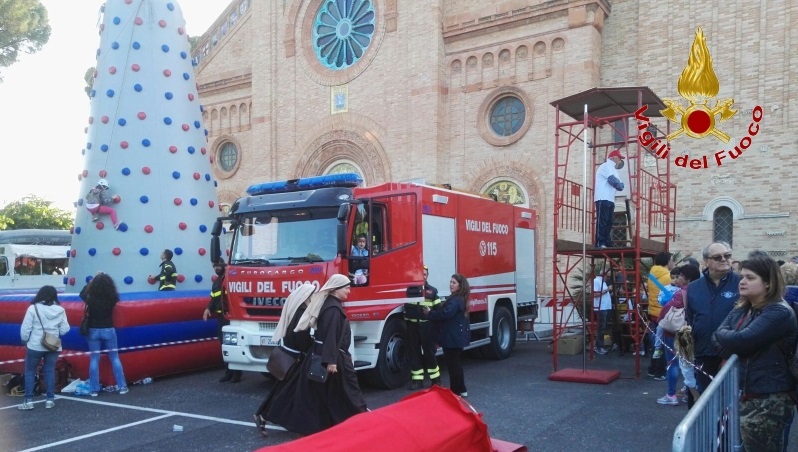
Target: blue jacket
[451, 326]
[707, 306]
[762, 339]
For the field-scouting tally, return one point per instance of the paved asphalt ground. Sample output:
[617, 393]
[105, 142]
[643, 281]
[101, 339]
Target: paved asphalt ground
[517, 400]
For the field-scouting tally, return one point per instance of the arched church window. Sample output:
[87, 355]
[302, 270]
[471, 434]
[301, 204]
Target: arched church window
[342, 31]
[723, 225]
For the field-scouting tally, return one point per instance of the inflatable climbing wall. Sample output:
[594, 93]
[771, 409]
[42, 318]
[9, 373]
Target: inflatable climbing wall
[145, 137]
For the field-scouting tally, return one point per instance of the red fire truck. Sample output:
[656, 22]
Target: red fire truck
[290, 232]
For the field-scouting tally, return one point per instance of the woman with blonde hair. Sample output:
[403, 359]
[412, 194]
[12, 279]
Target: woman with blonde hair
[453, 330]
[789, 271]
[306, 406]
[761, 330]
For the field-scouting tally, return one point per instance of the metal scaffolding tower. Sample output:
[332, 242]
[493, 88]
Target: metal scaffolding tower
[588, 126]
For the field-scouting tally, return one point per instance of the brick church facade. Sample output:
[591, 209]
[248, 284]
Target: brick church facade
[459, 92]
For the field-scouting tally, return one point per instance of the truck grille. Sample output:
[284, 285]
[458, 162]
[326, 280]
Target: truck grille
[267, 326]
[264, 312]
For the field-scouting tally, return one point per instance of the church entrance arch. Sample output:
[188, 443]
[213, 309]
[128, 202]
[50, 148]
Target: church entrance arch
[339, 147]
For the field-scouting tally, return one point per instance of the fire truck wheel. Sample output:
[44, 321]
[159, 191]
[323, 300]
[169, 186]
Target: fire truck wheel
[503, 339]
[392, 370]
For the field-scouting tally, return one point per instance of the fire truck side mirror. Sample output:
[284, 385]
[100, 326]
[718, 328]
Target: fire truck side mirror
[343, 212]
[217, 228]
[216, 251]
[415, 292]
[342, 248]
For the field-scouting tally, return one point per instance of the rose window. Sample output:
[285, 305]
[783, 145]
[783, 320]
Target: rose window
[342, 32]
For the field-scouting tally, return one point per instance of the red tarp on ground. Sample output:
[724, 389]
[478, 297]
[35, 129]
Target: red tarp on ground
[430, 420]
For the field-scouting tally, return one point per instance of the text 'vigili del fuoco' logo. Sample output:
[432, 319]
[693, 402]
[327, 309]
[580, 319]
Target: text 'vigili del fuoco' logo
[698, 84]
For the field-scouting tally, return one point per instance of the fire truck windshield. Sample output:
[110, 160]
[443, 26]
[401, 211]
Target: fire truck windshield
[285, 237]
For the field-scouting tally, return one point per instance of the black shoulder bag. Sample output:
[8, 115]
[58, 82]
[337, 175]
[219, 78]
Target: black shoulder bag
[318, 371]
[84, 324]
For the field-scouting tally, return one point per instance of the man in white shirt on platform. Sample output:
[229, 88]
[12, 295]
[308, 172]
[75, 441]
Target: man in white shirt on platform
[607, 183]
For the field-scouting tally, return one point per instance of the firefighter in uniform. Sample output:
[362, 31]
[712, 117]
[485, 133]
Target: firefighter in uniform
[215, 308]
[420, 345]
[167, 279]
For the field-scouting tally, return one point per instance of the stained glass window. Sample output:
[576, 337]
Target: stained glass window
[507, 116]
[342, 32]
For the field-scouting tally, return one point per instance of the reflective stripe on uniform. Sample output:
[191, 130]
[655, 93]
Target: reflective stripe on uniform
[426, 303]
[434, 373]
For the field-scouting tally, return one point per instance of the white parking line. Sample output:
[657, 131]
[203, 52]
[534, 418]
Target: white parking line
[163, 415]
[101, 432]
[156, 410]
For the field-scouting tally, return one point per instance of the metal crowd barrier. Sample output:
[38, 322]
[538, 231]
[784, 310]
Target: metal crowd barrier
[713, 423]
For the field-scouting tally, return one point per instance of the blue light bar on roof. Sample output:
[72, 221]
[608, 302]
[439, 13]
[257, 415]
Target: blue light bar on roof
[349, 180]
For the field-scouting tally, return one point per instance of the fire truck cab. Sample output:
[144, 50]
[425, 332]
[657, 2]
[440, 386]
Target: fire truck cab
[304, 230]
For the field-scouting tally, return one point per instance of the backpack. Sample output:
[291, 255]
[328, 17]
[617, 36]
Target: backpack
[16, 385]
[63, 374]
[665, 292]
[93, 197]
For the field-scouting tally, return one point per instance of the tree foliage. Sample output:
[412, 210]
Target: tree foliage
[193, 41]
[32, 212]
[24, 27]
[89, 78]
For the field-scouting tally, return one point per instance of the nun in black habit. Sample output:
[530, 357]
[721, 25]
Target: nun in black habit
[294, 343]
[305, 406]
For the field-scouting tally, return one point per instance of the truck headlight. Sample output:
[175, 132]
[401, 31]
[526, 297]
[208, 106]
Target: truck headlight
[229, 338]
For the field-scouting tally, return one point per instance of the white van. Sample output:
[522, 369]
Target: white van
[30, 259]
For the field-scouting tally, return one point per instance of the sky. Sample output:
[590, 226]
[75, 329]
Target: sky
[44, 110]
